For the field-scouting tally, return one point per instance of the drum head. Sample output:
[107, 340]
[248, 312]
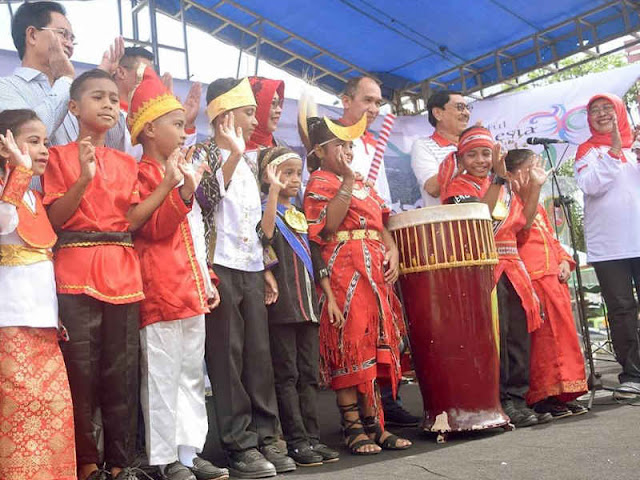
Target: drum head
[438, 214]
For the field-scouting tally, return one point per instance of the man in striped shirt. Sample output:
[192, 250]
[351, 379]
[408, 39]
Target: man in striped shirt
[449, 115]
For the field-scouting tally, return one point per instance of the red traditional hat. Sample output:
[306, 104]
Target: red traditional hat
[475, 137]
[150, 100]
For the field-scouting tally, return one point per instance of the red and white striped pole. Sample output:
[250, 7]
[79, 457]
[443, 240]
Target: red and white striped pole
[381, 146]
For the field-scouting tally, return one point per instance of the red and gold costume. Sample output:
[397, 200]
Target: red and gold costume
[366, 347]
[174, 286]
[106, 269]
[36, 413]
[557, 366]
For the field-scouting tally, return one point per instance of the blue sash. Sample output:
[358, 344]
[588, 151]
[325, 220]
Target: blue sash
[299, 242]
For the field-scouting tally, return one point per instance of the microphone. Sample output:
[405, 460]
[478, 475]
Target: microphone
[543, 141]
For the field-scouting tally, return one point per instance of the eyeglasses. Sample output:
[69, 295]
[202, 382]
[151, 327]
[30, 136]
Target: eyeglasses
[461, 107]
[63, 32]
[603, 109]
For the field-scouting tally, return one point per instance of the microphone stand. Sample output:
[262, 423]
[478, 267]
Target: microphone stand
[594, 382]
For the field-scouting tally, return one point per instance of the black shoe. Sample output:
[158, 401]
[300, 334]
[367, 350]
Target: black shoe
[99, 475]
[576, 408]
[520, 417]
[544, 418]
[329, 455]
[305, 456]
[282, 463]
[132, 473]
[250, 464]
[554, 407]
[177, 471]
[204, 470]
[396, 416]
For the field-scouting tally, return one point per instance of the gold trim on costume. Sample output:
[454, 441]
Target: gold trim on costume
[239, 96]
[16, 255]
[348, 134]
[92, 244]
[101, 296]
[345, 235]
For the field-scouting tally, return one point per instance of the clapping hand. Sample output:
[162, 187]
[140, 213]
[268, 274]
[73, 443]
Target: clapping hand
[172, 174]
[192, 176]
[87, 159]
[111, 57]
[17, 157]
[230, 137]
[497, 160]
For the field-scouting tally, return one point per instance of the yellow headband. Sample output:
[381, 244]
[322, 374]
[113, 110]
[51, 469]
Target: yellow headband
[348, 134]
[239, 96]
[283, 158]
[151, 110]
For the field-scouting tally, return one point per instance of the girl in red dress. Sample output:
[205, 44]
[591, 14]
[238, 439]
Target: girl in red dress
[557, 368]
[347, 220]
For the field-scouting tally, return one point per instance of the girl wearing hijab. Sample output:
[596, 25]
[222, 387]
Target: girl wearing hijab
[608, 174]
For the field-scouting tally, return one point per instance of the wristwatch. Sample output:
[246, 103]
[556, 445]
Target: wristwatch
[498, 180]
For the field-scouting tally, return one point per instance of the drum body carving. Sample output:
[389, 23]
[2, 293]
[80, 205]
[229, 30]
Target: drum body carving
[447, 257]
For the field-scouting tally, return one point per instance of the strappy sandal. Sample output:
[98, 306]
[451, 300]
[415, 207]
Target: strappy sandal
[351, 431]
[372, 427]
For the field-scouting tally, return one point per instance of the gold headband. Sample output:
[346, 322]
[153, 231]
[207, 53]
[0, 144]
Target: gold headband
[239, 96]
[283, 158]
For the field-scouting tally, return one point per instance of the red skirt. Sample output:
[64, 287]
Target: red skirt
[36, 413]
[556, 362]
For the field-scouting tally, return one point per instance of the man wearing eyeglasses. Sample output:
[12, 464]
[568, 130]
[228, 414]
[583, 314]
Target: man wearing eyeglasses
[449, 114]
[44, 40]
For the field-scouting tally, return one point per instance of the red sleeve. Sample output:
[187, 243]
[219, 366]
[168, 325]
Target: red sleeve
[320, 190]
[446, 172]
[458, 188]
[561, 253]
[167, 217]
[54, 183]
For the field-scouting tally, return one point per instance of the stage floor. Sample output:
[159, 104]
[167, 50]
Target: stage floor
[601, 444]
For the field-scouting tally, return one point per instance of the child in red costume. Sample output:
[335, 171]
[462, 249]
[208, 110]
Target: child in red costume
[557, 367]
[518, 307]
[177, 286]
[36, 414]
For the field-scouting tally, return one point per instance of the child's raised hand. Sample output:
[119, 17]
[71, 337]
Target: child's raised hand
[343, 167]
[537, 174]
[192, 176]
[87, 158]
[616, 138]
[230, 137]
[273, 178]
[17, 157]
[497, 160]
[172, 174]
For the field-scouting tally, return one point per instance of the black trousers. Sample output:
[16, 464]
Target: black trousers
[295, 352]
[617, 279]
[514, 343]
[102, 363]
[239, 362]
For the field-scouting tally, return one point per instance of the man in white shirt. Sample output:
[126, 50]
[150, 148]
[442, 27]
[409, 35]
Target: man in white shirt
[363, 95]
[449, 115]
[237, 343]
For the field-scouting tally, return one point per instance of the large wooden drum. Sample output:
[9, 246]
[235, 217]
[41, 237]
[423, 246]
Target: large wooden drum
[447, 257]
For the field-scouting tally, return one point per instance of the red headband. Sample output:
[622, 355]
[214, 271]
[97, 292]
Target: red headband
[474, 137]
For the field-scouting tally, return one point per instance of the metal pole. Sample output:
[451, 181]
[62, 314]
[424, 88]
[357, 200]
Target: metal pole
[240, 55]
[151, 4]
[120, 18]
[10, 10]
[184, 35]
[258, 42]
[134, 20]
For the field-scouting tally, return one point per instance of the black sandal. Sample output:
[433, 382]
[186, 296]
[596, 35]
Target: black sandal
[372, 427]
[351, 431]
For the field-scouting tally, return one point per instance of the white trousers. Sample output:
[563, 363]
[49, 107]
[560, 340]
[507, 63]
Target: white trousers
[172, 387]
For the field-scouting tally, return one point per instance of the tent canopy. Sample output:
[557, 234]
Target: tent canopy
[413, 46]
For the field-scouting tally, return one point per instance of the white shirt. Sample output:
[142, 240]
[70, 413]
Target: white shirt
[363, 153]
[237, 216]
[611, 203]
[28, 291]
[426, 156]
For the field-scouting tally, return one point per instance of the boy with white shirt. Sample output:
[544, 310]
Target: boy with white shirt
[237, 344]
